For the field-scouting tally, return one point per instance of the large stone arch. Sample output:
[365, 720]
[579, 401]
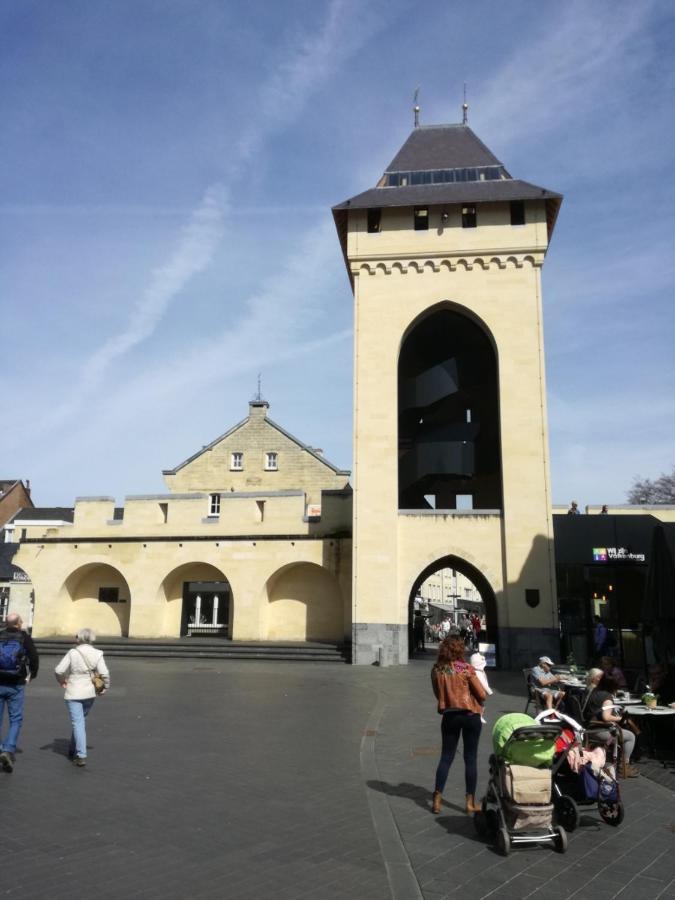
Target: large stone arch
[304, 602]
[87, 600]
[474, 574]
[448, 412]
[171, 592]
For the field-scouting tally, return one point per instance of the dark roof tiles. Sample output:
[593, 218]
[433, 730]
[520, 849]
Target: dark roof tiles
[442, 147]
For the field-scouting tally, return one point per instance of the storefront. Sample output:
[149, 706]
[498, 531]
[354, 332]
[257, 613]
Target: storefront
[605, 567]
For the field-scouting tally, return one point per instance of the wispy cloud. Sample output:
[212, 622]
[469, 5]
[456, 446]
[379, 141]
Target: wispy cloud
[194, 251]
[282, 96]
[556, 80]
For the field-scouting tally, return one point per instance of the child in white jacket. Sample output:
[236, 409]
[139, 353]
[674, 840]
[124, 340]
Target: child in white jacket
[477, 660]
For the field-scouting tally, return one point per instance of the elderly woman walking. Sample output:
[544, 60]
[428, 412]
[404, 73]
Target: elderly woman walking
[76, 673]
[460, 696]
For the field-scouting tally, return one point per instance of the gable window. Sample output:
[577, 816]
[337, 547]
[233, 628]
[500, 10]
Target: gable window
[517, 212]
[214, 504]
[109, 595]
[468, 217]
[237, 462]
[421, 218]
[374, 217]
[271, 462]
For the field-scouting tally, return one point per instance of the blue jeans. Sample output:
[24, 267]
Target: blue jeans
[11, 695]
[454, 723]
[78, 710]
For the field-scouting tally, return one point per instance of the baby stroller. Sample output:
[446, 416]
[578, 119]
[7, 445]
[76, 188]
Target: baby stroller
[584, 773]
[517, 807]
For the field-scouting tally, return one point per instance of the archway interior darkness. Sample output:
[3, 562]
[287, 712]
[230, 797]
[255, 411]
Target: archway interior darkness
[448, 416]
[476, 577]
[206, 608]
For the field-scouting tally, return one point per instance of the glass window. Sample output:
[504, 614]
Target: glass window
[468, 217]
[374, 217]
[421, 218]
[271, 462]
[237, 461]
[214, 504]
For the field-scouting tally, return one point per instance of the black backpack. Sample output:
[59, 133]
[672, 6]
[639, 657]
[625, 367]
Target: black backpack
[12, 653]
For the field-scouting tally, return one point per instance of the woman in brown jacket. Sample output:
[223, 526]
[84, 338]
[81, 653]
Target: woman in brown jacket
[460, 697]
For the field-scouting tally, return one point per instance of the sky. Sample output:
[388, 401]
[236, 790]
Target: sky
[168, 172]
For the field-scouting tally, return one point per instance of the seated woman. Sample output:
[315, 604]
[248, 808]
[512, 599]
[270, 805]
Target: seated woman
[609, 667]
[600, 710]
[593, 676]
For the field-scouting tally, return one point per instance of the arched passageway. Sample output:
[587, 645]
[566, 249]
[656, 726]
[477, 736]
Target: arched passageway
[198, 601]
[448, 415]
[304, 603]
[99, 598]
[472, 576]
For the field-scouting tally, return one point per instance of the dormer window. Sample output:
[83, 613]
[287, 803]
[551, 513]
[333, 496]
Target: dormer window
[237, 462]
[271, 462]
[214, 504]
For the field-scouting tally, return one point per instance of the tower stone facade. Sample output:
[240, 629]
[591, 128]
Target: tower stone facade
[451, 460]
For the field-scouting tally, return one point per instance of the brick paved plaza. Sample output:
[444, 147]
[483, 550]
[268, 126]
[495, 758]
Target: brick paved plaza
[252, 779]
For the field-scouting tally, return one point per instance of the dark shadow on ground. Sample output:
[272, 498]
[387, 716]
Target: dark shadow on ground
[60, 746]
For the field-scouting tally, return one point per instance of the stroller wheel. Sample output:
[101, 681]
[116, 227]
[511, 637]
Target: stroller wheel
[503, 842]
[560, 839]
[566, 813]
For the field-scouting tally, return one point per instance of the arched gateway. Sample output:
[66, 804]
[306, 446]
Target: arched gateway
[450, 442]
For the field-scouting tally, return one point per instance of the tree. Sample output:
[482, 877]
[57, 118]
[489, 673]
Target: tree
[660, 490]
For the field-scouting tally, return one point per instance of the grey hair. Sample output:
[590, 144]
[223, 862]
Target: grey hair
[85, 636]
[592, 676]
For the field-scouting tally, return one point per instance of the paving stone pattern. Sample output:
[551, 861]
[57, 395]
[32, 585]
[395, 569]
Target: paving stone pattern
[282, 780]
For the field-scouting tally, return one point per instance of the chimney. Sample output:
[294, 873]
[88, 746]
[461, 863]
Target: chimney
[257, 409]
[28, 486]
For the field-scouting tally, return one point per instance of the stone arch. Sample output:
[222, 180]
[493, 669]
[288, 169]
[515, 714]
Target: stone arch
[475, 575]
[87, 599]
[304, 603]
[448, 412]
[172, 599]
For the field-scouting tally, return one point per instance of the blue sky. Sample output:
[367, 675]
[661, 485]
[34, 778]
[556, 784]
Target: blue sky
[152, 147]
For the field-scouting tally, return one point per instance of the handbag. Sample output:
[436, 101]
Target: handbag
[96, 679]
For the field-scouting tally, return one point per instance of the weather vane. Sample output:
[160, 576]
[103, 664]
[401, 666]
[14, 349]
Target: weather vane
[416, 108]
[465, 109]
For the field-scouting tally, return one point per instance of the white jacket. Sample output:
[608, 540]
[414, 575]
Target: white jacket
[75, 671]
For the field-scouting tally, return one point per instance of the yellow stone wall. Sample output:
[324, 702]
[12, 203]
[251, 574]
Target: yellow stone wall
[289, 576]
[491, 273]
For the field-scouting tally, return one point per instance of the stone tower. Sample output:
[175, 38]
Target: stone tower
[451, 460]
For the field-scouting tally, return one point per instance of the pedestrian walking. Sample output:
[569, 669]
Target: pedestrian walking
[76, 673]
[460, 697]
[19, 664]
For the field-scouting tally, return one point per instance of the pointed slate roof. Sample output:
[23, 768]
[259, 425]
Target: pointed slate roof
[457, 168]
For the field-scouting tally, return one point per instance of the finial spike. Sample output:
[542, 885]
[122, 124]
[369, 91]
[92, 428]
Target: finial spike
[259, 394]
[416, 109]
[465, 109]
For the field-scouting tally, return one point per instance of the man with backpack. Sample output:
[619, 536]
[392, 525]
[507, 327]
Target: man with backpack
[19, 662]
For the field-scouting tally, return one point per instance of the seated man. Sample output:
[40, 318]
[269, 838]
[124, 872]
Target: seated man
[544, 680]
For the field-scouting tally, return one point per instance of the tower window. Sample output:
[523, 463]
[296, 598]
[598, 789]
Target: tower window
[468, 217]
[517, 212]
[374, 223]
[237, 462]
[214, 504]
[421, 218]
[271, 462]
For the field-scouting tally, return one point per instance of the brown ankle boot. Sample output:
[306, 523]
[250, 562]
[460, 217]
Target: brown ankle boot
[471, 806]
[628, 771]
[436, 803]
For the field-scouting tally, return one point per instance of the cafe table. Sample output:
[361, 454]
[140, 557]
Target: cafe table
[646, 717]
